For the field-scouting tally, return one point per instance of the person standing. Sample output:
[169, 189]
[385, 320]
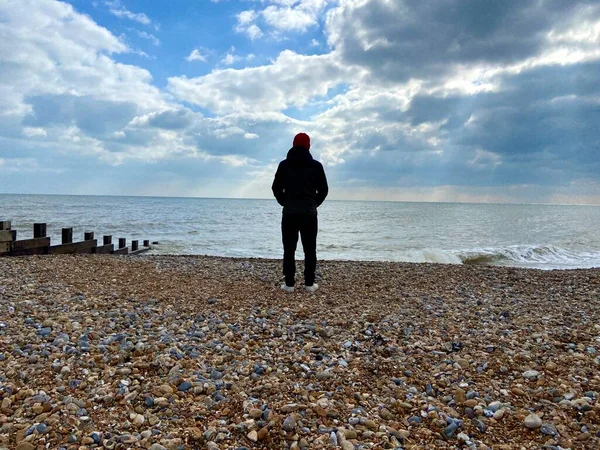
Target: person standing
[300, 186]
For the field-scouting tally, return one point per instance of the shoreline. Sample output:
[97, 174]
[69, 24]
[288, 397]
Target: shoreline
[368, 261]
[191, 351]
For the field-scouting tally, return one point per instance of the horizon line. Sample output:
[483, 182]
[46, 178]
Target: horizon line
[330, 200]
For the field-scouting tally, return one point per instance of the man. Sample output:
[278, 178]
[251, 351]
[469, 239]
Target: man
[300, 186]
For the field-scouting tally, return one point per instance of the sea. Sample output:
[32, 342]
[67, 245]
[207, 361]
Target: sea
[533, 236]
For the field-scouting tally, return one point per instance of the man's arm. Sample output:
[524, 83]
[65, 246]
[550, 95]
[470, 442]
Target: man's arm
[322, 187]
[278, 186]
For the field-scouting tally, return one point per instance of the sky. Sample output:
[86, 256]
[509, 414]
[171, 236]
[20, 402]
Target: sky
[452, 100]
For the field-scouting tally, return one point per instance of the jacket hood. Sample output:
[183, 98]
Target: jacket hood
[299, 154]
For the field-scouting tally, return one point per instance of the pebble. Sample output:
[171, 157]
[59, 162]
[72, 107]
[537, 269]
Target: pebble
[450, 430]
[531, 374]
[460, 395]
[498, 415]
[532, 421]
[463, 437]
[548, 429]
[25, 446]
[289, 424]
[185, 386]
[130, 348]
[253, 436]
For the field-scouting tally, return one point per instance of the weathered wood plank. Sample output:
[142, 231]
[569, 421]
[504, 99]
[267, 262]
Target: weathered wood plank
[74, 247]
[122, 242]
[141, 250]
[4, 224]
[29, 251]
[8, 235]
[5, 247]
[146, 243]
[29, 244]
[104, 249]
[88, 235]
[107, 239]
[121, 251]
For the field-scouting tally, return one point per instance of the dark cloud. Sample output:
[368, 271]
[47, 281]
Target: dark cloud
[415, 39]
[540, 128]
[94, 116]
[172, 119]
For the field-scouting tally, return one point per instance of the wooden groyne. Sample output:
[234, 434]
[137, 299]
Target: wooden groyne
[40, 244]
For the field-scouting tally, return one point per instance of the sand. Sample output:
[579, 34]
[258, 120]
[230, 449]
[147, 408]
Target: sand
[203, 352]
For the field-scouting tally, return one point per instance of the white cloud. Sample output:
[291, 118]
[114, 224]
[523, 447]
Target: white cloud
[148, 36]
[289, 19]
[230, 59]
[234, 160]
[33, 132]
[254, 32]
[196, 55]
[245, 24]
[137, 17]
[264, 88]
[251, 136]
[246, 17]
[281, 16]
[118, 10]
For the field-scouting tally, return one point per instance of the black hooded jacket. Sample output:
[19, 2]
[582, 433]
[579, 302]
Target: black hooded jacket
[300, 185]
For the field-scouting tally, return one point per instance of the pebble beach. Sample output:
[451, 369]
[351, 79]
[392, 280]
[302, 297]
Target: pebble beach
[173, 352]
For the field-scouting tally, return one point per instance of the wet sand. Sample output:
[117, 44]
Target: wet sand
[204, 352]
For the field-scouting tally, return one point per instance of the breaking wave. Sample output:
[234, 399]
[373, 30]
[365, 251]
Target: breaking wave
[543, 256]
[540, 257]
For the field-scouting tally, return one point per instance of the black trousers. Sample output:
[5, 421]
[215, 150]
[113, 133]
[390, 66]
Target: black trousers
[307, 225]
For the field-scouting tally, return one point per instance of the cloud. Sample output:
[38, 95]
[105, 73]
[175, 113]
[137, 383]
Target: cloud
[291, 80]
[455, 100]
[281, 17]
[137, 17]
[95, 117]
[196, 55]
[245, 24]
[402, 40]
[117, 10]
[246, 17]
[33, 132]
[254, 32]
[144, 35]
[230, 58]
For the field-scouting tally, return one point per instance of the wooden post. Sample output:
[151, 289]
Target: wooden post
[7, 238]
[146, 243]
[39, 230]
[8, 235]
[4, 225]
[122, 242]
[88, 236]
[107, 240]
[67, 236]
[134, 245]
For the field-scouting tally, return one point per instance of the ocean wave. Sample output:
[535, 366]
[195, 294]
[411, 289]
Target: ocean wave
[541, 256]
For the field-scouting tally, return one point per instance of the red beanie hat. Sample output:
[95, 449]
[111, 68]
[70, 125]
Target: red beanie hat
[302, 140]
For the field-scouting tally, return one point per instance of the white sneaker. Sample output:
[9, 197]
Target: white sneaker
[287, 289]
[312, 288]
